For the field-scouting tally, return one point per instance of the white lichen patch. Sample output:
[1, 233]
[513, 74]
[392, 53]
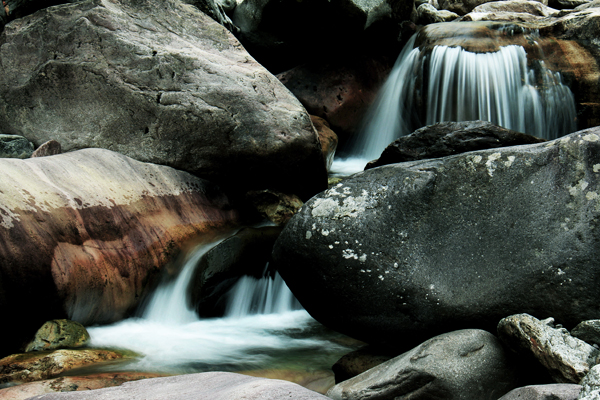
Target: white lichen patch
[491, 163]
[509, 161]
[591, 137]
[591, 195]
[349, 253]
[477, 159]
[578, 188]
[596, 167]
[308, 234]
[331, 246]
[363, 258]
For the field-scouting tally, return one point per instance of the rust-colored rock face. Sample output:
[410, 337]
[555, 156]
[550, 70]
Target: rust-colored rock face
[81, 233]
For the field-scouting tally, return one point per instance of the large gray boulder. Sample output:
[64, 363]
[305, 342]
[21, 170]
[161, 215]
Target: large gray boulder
[160, 82]
[420, 248]
[461, 365]
[203, 386]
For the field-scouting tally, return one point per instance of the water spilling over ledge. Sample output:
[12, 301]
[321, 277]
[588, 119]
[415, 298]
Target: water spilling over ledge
[264, 328]
[467, 71]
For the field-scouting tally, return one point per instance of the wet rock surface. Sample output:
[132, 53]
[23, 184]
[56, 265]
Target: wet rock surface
[59, 334]
[38, 366]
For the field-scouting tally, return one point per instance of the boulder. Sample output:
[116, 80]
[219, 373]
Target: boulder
[31, 367]
[588, 331]
[517, 6]
[59, 334]
[590, 385]
[466, 364]
[82, 234]
[462, 7]
[568, 359]
[15, 146]
[449, 138]
[160, 82]
[245, 253]
[202, 386]
[501, 16]
[428, 14]
[420, 248]
[556, 391]
[49, 148]
[72, 383]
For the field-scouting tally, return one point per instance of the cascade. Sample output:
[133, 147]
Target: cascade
[254, 333]
[473, 72]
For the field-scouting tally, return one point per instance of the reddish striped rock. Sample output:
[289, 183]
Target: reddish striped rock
[82, 233]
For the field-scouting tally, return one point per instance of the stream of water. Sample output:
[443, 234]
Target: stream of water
[264, 328]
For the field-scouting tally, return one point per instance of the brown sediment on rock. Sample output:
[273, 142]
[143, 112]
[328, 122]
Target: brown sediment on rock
[82, 233]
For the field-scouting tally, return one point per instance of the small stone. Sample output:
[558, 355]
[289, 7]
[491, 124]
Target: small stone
[15, 146]
[49, 148]
[59, 334]
[567, 359]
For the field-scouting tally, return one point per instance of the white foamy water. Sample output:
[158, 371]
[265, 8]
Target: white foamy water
[263, 326]
[453, 84]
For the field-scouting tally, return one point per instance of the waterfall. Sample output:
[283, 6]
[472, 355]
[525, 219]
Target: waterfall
[266, 295]
[262, 315]
[448, 83]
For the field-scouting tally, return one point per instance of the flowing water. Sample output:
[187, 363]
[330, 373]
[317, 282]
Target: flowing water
[448, 83]
[264, 328]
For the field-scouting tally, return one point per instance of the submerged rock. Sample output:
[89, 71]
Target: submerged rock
[83, 233]
[161, 82]
[419, 248]
[59, 334]
[567, 359]
[460, 365]
[449, 138]
[31, 367]
[203, 386]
